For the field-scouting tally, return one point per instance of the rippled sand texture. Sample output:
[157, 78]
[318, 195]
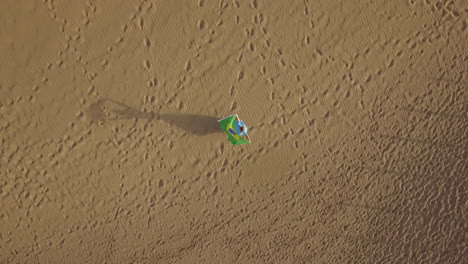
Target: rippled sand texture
[110, 150]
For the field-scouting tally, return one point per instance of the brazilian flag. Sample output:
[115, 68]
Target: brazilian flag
[227, 124]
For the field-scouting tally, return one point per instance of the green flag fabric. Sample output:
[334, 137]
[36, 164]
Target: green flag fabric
[227, 124]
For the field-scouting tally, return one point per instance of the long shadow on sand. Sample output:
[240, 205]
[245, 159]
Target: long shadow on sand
[108, 109]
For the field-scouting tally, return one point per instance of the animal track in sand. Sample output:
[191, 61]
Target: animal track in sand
[147, 43]
[147, 65]
[201, 24]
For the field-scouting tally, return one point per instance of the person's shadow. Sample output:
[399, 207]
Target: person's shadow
[108, 109]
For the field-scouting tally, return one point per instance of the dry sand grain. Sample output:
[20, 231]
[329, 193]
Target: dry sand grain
[110, 151]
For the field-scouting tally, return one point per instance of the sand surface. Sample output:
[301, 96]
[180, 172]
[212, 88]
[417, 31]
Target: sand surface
[110, 150]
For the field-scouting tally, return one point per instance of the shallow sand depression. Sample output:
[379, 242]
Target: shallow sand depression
[110, 150]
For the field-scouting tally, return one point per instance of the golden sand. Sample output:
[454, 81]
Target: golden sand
[110, 150]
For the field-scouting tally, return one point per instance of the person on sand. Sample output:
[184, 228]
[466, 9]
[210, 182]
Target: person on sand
[235, 129]
[241, 128]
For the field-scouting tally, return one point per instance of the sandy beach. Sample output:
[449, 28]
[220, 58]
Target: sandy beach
[111, 151]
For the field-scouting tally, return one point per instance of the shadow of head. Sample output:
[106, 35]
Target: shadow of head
[109, 110]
